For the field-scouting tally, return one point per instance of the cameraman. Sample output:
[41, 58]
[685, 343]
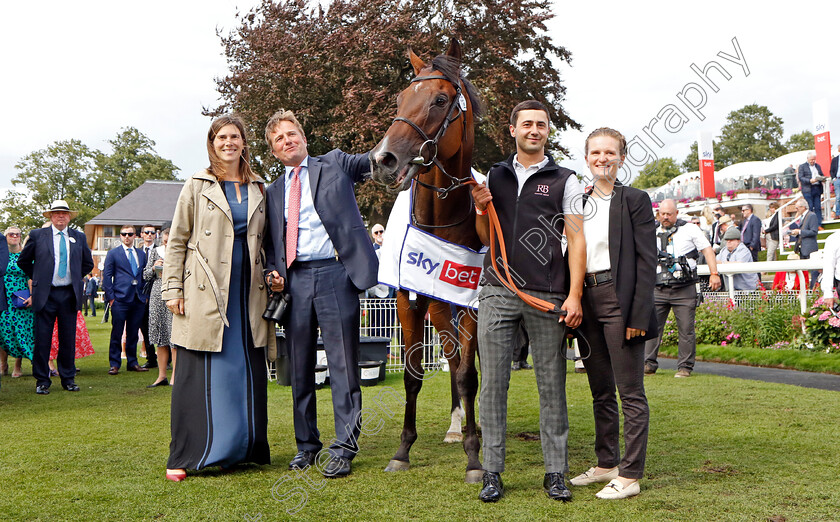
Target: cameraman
[680, 244]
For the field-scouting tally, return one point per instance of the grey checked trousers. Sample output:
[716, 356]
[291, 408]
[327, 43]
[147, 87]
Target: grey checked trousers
[499, 315]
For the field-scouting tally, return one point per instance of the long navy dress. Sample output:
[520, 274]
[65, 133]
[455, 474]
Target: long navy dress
[219, 398]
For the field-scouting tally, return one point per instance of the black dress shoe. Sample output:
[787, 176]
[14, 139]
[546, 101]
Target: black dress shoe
[555, 487]
[42, 390]
[164, 382]
[136, 368]
[516, 366]
[114, 370]
[337, 467]
[70, 386]
[302, 459]
[493, 488]
[525, 366]
[150, 364]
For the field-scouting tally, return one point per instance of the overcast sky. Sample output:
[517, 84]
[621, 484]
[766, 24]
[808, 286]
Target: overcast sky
[86, 69]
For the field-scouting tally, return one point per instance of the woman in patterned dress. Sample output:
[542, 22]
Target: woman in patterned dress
[16, 324]
[160, 318]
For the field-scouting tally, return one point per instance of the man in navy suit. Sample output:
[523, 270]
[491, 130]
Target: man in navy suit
[751, 235]
[56, 259]
[317, 249]
[811, 186]
[122, 281]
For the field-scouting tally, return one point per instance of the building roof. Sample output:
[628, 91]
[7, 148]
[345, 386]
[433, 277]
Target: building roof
[151, 203]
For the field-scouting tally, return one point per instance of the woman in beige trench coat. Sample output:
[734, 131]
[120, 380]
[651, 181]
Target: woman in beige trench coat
[213, 284]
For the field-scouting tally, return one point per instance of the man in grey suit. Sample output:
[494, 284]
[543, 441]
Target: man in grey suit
[56, 259]
[810, 174]
[318, 251]
[805, 228]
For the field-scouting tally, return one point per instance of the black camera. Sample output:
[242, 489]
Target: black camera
[276, 307]
[674, 270]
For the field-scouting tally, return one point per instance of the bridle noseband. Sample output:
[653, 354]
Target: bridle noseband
[432, 144]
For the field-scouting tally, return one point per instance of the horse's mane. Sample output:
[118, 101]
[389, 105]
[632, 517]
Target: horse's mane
[451, 69]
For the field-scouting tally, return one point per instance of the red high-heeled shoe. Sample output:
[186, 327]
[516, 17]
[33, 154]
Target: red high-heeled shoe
[176, 475]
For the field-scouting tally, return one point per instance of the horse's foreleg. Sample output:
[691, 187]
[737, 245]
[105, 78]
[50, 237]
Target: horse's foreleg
[412, 327]
[467, 377]
[441, 315]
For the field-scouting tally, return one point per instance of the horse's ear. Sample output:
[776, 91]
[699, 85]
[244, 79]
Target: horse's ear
[416, 62]
[454, 49]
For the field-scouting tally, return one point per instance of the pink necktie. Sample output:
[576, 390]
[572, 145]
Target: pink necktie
[294, 217]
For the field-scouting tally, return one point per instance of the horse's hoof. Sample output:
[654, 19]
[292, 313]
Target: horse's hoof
[474, 476]
[397, 465]
[452, 436]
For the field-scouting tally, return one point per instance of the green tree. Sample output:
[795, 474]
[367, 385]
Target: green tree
[61, 171]
[132, 162]
[800, 141]
[657, 173]
[692, 161]
[751, 133]
[89, 180]
[341, 67]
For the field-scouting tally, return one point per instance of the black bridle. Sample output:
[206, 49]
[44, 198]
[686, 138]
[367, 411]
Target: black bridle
[432, 144]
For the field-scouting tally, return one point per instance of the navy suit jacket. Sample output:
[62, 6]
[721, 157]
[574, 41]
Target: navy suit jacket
[331, 177]
[808, 236]
[752, 234]
[4, 262]
[37, 260]
[805, 178]
[833, 169]
[117, 276]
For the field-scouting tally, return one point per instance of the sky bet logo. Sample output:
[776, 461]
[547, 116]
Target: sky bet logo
[455, 274]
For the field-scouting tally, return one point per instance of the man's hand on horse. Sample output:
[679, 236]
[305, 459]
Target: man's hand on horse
[481, 195]
[276, 282]
[574, 312]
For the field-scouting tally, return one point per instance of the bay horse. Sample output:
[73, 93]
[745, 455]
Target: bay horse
[442, 103]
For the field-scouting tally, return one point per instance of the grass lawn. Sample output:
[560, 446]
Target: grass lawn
[720, 449]
[805, 360]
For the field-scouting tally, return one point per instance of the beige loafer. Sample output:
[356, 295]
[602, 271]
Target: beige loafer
[589, 477]
[614, 490]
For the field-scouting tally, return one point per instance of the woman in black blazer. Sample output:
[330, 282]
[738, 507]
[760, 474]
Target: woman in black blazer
[618, 314]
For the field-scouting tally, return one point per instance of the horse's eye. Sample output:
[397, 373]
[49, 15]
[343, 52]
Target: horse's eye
[440, 101]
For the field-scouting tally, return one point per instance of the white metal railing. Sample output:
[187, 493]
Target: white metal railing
[799, 266]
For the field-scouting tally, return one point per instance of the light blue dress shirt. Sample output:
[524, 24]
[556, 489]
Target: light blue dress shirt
[313, 241]
[56, 280]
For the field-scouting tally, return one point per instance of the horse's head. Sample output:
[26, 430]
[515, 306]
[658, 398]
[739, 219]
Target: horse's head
[434, 120]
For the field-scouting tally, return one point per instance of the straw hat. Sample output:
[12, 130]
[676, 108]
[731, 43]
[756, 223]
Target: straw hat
[60, 205]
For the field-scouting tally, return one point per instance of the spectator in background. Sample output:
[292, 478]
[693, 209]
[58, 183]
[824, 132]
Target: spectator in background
[147, 234]
[751, 235]
[836, 179]
[122, 279]
[810, 179]
[16, 324]
[736, 252]
[381, 315]
[91, 287]
[56, 258]
[804, 228]
[771, 232]
[160, 317]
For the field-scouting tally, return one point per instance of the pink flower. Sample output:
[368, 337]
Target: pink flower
[819, 302]
[835, 322]
[825, 315]
[723, 343]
